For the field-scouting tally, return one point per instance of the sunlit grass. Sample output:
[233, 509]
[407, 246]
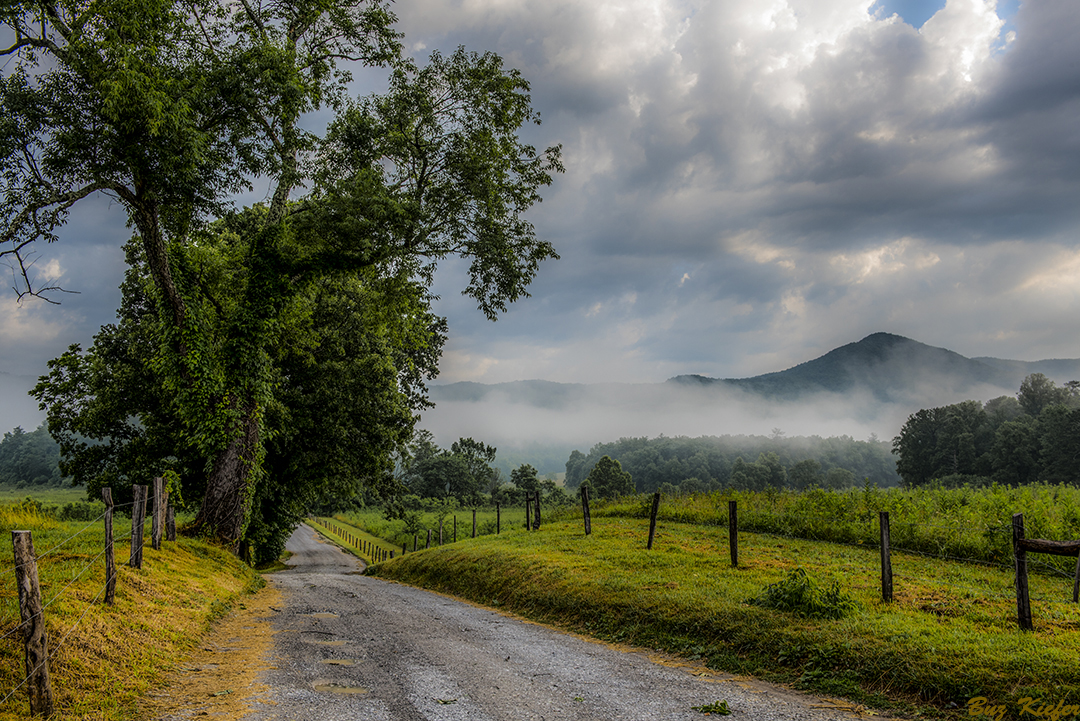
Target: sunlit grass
[108, 656]
[949, 635]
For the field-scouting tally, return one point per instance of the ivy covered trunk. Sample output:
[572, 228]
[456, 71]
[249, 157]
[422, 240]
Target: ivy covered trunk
[226, 506]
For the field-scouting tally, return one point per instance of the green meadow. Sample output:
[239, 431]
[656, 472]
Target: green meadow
[949, 636]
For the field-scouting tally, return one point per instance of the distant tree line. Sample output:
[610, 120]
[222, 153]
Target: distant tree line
[1014, 441]
[30, 460]
[707, 463]
[463, 475]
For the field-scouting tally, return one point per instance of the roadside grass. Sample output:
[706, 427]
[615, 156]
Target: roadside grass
[395, 535]
[950, 634]
[105, 657]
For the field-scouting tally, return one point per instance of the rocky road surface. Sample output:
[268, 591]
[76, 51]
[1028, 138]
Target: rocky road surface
[350, 647]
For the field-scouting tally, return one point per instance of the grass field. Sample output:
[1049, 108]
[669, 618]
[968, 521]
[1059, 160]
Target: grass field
[105, 657]
[50, 496]
[949, 636]
[395, 534]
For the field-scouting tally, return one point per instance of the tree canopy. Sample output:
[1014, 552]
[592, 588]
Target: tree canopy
[1008, 440]
[244, 320]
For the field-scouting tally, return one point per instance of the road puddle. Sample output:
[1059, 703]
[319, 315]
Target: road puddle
[338, 687]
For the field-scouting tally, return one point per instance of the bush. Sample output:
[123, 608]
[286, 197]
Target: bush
[799, 594]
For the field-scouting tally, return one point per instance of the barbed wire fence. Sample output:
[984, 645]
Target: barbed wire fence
[39, 650]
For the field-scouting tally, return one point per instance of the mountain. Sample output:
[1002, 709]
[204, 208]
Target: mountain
[891, 367]
[888, 367]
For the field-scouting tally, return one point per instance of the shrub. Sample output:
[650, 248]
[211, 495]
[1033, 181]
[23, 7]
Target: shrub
[799, 594]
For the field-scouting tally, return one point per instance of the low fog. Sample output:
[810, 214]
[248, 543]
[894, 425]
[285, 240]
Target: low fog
[583, 415]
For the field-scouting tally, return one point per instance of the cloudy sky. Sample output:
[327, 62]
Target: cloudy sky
[750, 183]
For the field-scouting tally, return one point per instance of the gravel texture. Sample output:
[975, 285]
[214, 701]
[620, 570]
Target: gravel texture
[351, 647]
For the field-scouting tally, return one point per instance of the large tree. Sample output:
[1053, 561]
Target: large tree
[171, 107]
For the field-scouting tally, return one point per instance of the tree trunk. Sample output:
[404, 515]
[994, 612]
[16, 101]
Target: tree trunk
[226, 505]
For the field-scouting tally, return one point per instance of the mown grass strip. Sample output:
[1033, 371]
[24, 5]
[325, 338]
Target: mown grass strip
[949, 636]
[331, 527]
[112, 654]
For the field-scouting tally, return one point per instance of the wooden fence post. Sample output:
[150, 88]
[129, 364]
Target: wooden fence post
[733, 532]
[428, 539]
[157, 523]
[170, 523]
[886, 558]
[33, 625]
[498, 520]
[474, 523]
[585, 509]
[414, 543]
[440, 532]
[391, 555]
[403, 549]
[1076, 580]
[652, 517]
[110, 553]
[138, 517]
[528, 511]
[1023, 603]
[536, 513]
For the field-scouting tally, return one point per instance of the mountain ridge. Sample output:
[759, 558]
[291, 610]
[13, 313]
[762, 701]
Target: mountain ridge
[885, 365]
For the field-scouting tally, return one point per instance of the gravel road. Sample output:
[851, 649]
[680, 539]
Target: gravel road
[351, 647]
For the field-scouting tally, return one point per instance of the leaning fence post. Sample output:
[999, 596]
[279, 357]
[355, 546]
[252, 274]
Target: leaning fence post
[1023, 603]
[33, 625]
[157, 524]
[733, 531]
[528, 511]
[138, 518]
[652, 517]
[536, 513]
[886, 558]
[474, 523]
[585, 509]
[110, 553]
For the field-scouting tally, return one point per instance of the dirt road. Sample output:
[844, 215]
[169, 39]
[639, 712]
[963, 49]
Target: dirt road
[350, 647]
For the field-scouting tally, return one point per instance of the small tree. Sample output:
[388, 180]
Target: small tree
[607, 479]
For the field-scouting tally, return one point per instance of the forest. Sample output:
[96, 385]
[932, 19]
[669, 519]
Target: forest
[710, 463]
[1010, 441]
[30, 460]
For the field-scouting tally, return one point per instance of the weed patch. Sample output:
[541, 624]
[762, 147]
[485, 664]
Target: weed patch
[799, 594]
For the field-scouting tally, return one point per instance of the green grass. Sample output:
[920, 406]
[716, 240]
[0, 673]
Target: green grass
[950, 634]
[395, 534]
[48, 496]
[106, 657]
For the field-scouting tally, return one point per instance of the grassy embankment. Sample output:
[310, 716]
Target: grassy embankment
[393, 534]
[950, 634]
[105, 657]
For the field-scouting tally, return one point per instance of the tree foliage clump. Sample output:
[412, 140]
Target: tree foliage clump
[30, 460]
[607, 479]
[708, 463]
[245, 319]
[1012, 441]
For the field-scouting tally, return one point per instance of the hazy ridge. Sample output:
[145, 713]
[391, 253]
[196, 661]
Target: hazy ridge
[862, 388]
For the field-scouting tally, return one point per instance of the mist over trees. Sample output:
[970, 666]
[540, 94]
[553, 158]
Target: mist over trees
[30, 460]
[1013, 441]
[744, 462]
